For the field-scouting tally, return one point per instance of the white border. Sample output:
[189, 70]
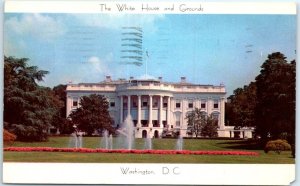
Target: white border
[182, 174]
[14, 6]
[206, 173]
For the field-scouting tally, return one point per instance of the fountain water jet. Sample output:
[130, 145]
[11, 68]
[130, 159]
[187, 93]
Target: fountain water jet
[148, 143]
[179, 143]
[104, 140]
[76, 140]
[110, 141]
[127, 132]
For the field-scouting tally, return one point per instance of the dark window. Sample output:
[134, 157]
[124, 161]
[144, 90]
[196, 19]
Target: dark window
[145, 104]
[75, 103]
[125, 104]
[177, 105]
[144, 123]
[134, 104]
[112, 104]
[191, 105]
[135, 123]
[216, 104]
[203, 105]
[165, 105]
[165, 124]
[155, 123]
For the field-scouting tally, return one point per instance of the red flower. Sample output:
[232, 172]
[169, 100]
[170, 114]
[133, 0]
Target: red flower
[126, 151]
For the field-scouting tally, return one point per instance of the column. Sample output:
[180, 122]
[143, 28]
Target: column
[121, 110]
[69, 105]
[161, 111]
[169, 111]
[208, 105]
[222, 111]
[128, 105]
[150, 111]
[139, 112]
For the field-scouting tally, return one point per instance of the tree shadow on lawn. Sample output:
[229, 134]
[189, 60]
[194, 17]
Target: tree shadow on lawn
[243, 144]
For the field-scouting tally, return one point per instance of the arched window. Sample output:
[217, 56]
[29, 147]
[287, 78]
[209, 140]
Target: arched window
[144, 134]
[156, 135]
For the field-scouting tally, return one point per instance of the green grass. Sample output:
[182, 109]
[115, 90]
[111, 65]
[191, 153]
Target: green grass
[190, 144]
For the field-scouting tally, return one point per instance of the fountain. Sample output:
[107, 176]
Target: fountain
[76, 140]
[126, 139]
[179, 143]
[148, 143]
[106, 140]
[110, 141]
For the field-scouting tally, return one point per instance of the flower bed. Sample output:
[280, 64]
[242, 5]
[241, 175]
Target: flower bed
[126, 151]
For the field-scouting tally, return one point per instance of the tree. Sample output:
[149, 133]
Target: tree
[210, 127]
[275, 110]
[241, 105]
[201, 124]
[28, 107]
[60, 121]
[92, 114]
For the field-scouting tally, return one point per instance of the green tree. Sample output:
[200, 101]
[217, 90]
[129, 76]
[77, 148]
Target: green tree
[210, 127]
[28, 107]
[201, 124]
[92, 114]
[60, 121]
[275, 110]
[240, 107]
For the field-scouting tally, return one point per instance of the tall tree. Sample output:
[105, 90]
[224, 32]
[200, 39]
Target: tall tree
[92, 114]
[240, 106]
[28, 107]
[60, 121]
[275, 110]
[201, 124]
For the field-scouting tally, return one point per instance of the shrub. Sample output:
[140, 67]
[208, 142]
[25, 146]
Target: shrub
[277, 146]
[8, 137]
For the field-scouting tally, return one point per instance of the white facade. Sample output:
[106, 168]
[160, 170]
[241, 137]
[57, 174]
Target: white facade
[154, 105]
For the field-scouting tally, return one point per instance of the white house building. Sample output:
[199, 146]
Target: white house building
[155, 105]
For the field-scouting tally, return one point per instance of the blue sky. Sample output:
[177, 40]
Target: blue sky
[207, 49]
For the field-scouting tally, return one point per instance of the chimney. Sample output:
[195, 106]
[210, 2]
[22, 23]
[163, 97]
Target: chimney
[183, 80]
[108, 79]
[160, 78]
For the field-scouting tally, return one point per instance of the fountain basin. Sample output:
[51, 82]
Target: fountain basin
[127, 151]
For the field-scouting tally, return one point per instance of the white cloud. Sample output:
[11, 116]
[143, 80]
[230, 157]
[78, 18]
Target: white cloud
[97, 65]
[42, 27]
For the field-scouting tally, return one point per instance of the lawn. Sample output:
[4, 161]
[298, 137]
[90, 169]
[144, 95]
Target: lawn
[189, 144]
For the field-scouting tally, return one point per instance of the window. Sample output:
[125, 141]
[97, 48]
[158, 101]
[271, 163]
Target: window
[216, 104]
[134, 103]
[203, 105]
[112, 104]
[75, 102]
[177, 105]
[125, 104]
[165, 105]
[145, 103]
[155, 123]
[191, 105]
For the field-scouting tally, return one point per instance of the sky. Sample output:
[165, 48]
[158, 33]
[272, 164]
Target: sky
[206, 49]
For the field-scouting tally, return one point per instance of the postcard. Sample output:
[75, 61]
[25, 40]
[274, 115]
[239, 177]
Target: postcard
[112, 92]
